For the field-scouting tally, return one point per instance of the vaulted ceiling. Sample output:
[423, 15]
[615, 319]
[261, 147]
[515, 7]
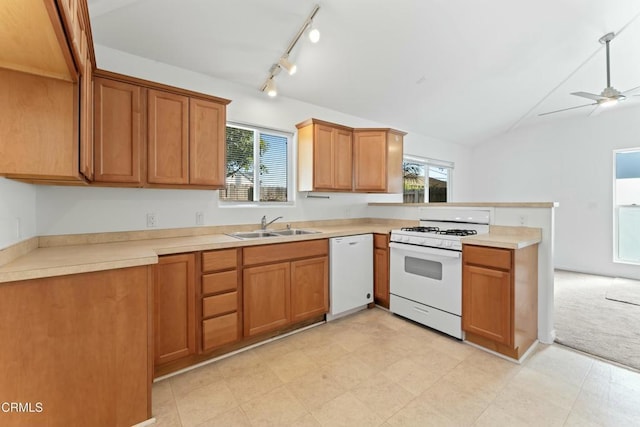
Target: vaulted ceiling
[459, 70]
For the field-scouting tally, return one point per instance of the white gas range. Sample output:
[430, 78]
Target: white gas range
[426, 266]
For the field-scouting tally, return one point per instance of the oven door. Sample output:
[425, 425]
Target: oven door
[427, 275]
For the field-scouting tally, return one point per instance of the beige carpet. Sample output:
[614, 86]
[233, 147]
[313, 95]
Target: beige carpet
[586, 320]
[624, 290]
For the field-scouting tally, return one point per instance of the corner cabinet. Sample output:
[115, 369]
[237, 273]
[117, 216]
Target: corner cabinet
[377, 160]
[333, 157]
[324, 156]
[45, 78]
[284, 284]
[500, 298]
[151, 135]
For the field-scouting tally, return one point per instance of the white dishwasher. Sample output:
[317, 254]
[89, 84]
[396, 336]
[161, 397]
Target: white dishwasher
[351, 274]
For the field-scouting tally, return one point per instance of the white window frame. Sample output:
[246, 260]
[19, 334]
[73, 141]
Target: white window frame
[256, 167]
[432, 162]
[616, 206]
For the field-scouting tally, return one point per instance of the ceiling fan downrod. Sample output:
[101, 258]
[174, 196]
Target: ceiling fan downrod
[605, 40]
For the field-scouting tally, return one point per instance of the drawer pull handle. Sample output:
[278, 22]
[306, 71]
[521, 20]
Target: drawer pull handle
[421, 310]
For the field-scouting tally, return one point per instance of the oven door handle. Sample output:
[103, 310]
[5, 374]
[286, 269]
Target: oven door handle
[425, 250]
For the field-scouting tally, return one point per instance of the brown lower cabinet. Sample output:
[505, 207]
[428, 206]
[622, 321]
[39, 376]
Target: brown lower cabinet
[290, 284]
[221, 299]
[500, 298]
[174, 308]
[381, 269]
[212, 302]
[80, 346]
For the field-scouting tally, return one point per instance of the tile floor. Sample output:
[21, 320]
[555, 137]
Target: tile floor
[375, 369]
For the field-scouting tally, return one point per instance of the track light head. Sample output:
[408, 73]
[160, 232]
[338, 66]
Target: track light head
[291, 68]
[314, 34]
[270, 88]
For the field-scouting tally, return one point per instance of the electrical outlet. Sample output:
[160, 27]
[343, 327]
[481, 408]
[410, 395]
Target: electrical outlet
[199, 218]
[522, 220]
[18, 234]
[347, 213]
[151, 220]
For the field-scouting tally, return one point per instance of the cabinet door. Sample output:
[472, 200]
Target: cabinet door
[370, 160]
[168, 138]
[381, 276]
[343, 148]
[175, 314]
[487, 303]
[266, 298]
[323, 157]
[117, 131]
[207, 144]
[309, 288]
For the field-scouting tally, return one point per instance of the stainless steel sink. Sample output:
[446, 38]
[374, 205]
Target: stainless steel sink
[253, 234]
[258, 234]
[293, 232]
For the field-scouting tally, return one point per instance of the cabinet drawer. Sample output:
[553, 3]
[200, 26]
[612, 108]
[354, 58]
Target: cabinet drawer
[218, 304]
[220, 282]
[489, 257]
[380, 241]
[219, 260]
[284, 251]
[219, 330]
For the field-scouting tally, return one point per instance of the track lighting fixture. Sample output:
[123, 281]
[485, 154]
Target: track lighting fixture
[269, 85]
[270, 88]
[291, 68]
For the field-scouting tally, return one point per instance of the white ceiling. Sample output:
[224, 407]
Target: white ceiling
[463, 71]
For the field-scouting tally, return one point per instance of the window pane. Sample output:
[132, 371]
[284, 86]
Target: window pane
[239, 180]
[273, 168]
[438, 182]
[413, 182]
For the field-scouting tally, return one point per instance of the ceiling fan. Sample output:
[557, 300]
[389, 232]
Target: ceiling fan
[609, 96]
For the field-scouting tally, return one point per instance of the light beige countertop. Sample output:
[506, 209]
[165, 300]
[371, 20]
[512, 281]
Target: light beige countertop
[76, 254]
[474, 204]
[506, 237]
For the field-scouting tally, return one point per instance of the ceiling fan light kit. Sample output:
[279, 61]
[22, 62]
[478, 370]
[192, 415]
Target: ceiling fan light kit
[610, 96]
[269, 85]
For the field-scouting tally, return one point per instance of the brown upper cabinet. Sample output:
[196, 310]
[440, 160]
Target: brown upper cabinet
[45, 78]
[333, 157]
[153, 135]
[118, 131]
[377, 160]
[324, 156]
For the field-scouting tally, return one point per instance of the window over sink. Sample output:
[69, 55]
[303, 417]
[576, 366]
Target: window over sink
[426, 180]
[258, 169]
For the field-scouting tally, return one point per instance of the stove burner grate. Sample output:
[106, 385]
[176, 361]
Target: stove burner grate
[456, 232]
[422, 229]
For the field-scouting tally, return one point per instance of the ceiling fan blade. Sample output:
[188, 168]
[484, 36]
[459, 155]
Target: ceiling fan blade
[631, 91]
[567, 109]
[589, 95]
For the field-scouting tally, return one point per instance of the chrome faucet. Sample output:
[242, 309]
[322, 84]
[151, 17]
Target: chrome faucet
[264, 224]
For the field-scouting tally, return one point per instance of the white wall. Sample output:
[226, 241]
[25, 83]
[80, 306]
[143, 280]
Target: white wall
[569, 161]
[68, 210]
[17, 212]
